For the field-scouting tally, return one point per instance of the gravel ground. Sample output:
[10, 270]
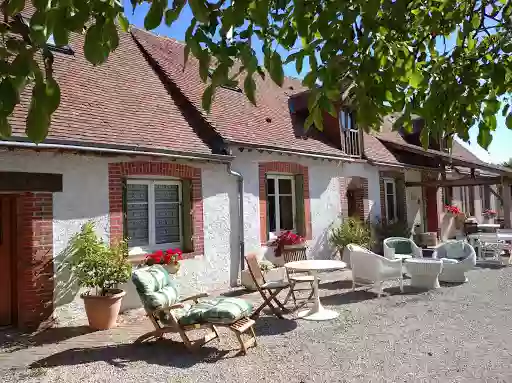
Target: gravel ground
[457, 333]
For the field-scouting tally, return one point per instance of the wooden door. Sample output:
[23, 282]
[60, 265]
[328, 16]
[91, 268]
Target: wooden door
[432, 215]
[6, 259]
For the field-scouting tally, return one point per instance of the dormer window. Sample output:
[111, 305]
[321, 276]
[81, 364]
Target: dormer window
[50, 43]
[349, 134]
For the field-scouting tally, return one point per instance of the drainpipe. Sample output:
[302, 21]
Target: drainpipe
[240, 188]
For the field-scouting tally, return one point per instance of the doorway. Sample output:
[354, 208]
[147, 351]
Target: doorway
[7, 248]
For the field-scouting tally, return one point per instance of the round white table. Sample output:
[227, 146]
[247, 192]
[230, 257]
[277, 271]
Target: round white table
[313, 267]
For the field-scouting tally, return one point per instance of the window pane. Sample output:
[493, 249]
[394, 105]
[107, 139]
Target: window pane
[285, 186]
[286, 212]
[167, 223]
[271, 186]
[137, 215]
[166, 193]
[390, 199]
[271, 203]
[389, 188]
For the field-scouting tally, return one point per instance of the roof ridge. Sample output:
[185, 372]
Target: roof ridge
[132, 27]
[183, 43]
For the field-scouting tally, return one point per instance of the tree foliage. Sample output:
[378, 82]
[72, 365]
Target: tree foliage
[447, 61]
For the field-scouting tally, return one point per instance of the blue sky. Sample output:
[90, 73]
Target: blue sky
[500, 149]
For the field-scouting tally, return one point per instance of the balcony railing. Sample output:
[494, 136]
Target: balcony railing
[350, 144]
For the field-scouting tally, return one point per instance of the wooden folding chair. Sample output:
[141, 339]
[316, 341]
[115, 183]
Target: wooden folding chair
[268, 290]
[297, 278]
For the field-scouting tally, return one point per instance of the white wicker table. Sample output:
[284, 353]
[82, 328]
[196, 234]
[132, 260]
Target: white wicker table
[424, 272]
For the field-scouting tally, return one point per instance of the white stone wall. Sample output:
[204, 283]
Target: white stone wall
[324, 194]
[85, 197]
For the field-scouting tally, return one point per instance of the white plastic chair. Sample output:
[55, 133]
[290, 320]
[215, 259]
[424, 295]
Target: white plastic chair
[369, 268]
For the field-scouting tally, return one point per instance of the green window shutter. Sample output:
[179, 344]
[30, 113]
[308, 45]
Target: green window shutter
[267, 223]
[124, 190]
[300, 212]
[400, 200]
[188, 230]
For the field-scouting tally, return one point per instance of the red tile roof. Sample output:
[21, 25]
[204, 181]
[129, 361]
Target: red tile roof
[269, 124]
[121, 103]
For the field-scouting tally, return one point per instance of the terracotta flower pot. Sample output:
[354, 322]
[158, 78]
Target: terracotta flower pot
[102, 311]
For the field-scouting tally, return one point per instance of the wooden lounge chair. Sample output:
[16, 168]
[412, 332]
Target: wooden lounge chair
[297, 279]
[268, 290]
[169, 313]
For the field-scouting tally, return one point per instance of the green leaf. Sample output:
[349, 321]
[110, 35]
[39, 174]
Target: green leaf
[60, 35]
[186, 53]
[298, 63]
[204, 65]
[52, 92]
[508, 121]
[250, 88]
[475, 21]
[170, 17]
[123, 22]
[415, 79]
[484, 136]
[276, 69]
[154, 15]
[5, 127]
[15, 6]
[8, 97]
[207, 98]
[200, 10]
[38, 120]
[317, 118]
[93, 49]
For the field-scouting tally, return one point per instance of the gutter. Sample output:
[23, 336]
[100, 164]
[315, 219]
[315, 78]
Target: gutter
[296, 152]
[240, 186]
[111, 149]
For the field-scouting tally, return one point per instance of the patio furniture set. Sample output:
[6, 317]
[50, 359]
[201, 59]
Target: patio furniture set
[168, 313]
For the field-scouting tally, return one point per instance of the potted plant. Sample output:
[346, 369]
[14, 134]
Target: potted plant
[101, 268]
[453, 220]
[169, 259]
[352, 230]
[489, 215]
[287, 241]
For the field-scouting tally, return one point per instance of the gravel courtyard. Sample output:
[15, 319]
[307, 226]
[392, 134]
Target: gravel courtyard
[458, 333]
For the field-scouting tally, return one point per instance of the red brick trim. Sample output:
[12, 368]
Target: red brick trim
[118, 171]
[282, 167]
[35, 273]
[359, 185]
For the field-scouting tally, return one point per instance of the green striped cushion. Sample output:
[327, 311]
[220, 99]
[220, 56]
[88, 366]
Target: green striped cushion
[216, 310]
[155, 287]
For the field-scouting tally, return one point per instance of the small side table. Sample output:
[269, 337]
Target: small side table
[424, 272]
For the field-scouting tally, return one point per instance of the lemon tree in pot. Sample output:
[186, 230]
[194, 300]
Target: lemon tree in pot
[100, 268]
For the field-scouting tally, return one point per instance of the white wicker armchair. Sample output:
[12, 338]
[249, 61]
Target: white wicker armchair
[401, 248]
[458, 257]
[369, 268]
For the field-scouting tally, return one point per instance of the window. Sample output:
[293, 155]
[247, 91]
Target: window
[485, 191]
[347, 121]
[62, 49]
[390, 200]
[280, 203]
[349, 134]
[448, 195]
[154, 214]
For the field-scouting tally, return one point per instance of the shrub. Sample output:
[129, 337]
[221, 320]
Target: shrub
[352, 230]
[384, 229]
[97, 265]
